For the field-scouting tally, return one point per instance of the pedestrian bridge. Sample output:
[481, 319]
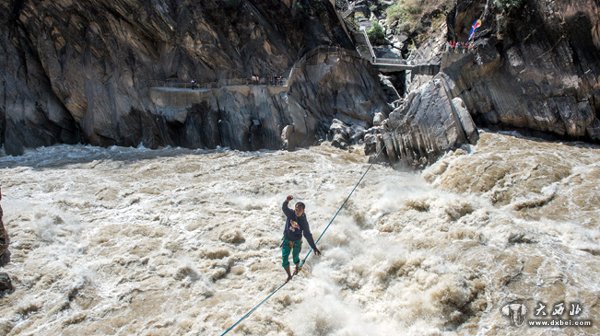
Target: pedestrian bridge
[388, 65]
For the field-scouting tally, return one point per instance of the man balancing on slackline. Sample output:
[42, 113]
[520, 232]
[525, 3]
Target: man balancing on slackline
[296, 225]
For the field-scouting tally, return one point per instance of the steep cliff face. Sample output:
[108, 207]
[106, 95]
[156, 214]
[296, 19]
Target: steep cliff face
[428, 124]
[81, 71]
[327, 83]
[534, 67]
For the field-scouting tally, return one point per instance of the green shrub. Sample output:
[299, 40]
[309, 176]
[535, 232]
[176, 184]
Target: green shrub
[405, 11]
[407, 14]
[396, 12]
[376, 34]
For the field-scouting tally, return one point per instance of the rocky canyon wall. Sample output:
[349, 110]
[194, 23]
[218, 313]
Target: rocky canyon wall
[535, 67]
[82, 71]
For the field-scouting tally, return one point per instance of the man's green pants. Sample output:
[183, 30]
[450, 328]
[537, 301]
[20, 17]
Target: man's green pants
[293, 246]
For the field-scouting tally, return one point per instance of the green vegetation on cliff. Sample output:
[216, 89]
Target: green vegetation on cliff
[409, 13]
[376, 34]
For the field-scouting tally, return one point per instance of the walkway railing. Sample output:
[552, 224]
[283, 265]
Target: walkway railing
[271, 80]
[383, 60]
[386, 63]
[363, 31]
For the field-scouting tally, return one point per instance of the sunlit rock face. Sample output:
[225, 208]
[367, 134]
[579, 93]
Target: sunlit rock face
[429, 123]
[82, 71]
[532, 67]
[535, 67]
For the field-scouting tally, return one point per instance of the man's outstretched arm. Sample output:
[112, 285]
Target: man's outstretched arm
[286, 210]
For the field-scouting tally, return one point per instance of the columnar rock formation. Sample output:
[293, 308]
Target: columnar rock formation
[430, 123]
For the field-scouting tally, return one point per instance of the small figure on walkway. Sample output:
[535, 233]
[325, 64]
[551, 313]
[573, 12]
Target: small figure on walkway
[194, 84]
[452, 45]
[296, 225]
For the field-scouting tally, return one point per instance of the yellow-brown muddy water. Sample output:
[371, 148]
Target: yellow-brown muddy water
[125, 241]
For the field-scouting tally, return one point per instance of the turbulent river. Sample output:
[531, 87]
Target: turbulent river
[125, 241]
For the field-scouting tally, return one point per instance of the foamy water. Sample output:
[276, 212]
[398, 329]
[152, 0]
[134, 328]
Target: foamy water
[123, 241]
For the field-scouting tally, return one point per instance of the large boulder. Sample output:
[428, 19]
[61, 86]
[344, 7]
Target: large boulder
[429, 123]
[343, 135]
[5, 283]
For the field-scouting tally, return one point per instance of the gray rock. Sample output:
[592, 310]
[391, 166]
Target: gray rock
[378, 119]
[5, 283]
[343, 135]
[371, 139]
[340, 141]
[427, 125]
[357, 133]
[544, 80]
[340, 134]
[370, 142]
[287, 138]
[75, 80]
[4, 240]
[466, 123]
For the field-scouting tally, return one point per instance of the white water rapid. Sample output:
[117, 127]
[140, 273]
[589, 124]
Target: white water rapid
[124, 241]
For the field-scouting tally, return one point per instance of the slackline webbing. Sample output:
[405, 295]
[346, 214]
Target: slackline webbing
[307, 254]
